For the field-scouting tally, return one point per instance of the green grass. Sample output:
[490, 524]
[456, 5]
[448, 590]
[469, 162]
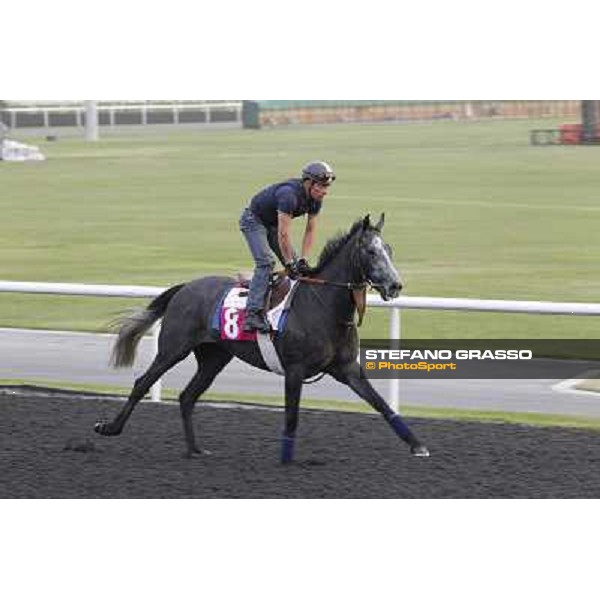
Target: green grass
[471, 209]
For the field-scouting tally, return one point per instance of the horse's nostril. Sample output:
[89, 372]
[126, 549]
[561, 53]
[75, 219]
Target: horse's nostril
[395, 288]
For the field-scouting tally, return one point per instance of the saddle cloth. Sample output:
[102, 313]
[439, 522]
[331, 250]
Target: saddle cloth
[230, 314]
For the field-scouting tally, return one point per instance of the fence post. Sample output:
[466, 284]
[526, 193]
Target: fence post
[156, 389]
[91, 121]
[394, 389]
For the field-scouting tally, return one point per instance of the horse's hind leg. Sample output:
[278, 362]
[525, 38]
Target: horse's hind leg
[352, 375]
[160, 365]
[211, 361]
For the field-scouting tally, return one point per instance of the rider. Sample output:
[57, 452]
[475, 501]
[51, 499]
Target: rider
[265, 224]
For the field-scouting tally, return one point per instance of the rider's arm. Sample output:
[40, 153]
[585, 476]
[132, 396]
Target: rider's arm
[284, 236]
[309, 235]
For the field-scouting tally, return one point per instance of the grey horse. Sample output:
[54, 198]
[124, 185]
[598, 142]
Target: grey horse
[320, 334]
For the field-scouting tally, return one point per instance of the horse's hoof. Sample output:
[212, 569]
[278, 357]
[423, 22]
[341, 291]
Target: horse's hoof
[419, 450]
[196, 452]
[104, 428]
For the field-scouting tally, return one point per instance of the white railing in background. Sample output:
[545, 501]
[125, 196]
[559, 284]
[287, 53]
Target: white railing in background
[407, 302]
[144, 109]
[86, 289]
[472, 304]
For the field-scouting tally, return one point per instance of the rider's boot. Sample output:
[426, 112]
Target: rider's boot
[256, 321]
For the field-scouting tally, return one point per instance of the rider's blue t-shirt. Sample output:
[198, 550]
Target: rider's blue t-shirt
[288, 197]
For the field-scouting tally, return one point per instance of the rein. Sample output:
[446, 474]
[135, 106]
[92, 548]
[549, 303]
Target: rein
[359, 292]
[358, 289]
[346, 285]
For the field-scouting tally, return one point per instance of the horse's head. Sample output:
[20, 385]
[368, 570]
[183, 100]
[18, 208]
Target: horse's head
[376, 260]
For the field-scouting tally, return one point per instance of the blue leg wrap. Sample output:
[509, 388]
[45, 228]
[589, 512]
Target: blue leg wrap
[401, 429]
[287, 449]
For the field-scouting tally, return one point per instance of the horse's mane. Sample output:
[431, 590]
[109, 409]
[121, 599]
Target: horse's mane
[335, 244]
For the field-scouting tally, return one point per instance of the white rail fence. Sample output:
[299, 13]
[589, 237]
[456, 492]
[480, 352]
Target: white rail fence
[404, 302]
[57, 115]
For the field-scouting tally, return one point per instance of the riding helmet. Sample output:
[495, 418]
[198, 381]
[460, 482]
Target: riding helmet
[319, 172]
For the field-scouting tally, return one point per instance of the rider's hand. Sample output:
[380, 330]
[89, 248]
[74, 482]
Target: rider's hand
[292, 270]
[303, 266]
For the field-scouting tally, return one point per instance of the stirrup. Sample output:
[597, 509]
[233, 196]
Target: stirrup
[255, 321]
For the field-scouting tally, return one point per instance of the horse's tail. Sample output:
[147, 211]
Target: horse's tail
[131, 328]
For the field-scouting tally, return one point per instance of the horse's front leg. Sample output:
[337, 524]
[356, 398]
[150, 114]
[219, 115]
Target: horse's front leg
[294, 376]
[353, 375]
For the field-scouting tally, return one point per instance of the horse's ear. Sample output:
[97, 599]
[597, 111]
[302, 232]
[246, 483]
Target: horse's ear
[380, 223]
[367, 222]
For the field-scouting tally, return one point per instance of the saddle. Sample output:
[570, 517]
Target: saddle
[230, 312]
[279, 287]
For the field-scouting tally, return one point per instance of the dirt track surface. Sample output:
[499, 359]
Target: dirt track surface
[48, 450]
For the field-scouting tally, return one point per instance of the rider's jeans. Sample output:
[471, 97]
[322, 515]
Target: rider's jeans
[261, 241]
